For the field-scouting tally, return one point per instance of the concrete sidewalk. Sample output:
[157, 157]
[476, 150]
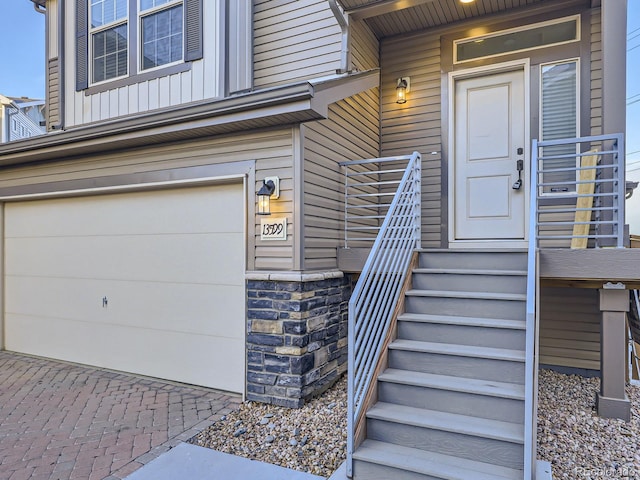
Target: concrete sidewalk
[192, 462]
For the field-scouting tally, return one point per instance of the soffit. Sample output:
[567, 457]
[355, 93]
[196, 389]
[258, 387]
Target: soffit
[394, 17]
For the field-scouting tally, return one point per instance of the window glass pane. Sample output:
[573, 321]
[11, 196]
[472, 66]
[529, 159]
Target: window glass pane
[107, 11]
[162, 37]
[109, 53]
[559, 119]
[521, 40]
[147, 4]
[97, 18]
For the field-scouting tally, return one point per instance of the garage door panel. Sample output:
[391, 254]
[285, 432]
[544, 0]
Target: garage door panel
[193, 210]
[192, 308]
[163, 258]
[170, 263]
[155, 353]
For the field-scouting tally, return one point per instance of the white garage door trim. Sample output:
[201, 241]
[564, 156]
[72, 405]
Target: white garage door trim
[60, 266]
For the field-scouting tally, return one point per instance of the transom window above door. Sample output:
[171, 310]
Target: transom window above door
[528, 37]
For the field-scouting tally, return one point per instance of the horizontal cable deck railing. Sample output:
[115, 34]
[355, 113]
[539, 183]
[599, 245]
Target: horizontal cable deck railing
[578, 190]
[378, 289]
[370, 186]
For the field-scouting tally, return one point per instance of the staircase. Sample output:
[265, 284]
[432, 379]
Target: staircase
[450, 403]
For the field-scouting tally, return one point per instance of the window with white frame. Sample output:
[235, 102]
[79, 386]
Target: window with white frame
[109, 39]
[559, 119]
[127, 38]
[161, 26]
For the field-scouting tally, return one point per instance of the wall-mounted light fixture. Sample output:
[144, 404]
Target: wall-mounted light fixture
[403, 86]
[270, 189]
[467, 1]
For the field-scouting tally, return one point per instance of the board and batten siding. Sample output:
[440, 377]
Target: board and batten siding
[350, 133]
[415, 125]
[294, 41]
[271, 150]
[570, 327]
[202, 81]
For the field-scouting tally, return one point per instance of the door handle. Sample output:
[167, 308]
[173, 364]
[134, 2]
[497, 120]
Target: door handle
[518, 183]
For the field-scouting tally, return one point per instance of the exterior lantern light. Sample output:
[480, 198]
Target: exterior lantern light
[270, 188]
[402, 88]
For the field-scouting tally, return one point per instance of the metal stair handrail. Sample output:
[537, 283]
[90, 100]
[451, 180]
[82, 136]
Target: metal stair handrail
[531, 363]
[607, 225]
[378, 289]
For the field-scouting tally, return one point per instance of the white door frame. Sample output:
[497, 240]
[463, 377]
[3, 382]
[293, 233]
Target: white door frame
[520, 64]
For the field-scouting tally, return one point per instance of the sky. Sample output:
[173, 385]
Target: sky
[21, 50]
[22, 70]
[633, 113]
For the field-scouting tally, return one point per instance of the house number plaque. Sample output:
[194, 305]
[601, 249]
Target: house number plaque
[273, 229]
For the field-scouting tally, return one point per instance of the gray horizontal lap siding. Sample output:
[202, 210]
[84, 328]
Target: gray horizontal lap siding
[53, 92]
[570, 328]
[294, 41]
[351, 132]
[416, 125]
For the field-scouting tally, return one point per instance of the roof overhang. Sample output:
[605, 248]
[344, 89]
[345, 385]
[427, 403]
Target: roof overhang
[389, 18]
[280, 106]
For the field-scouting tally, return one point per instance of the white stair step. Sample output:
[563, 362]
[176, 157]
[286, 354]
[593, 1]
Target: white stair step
[459, 350]
[456, 384]
[469, 321]
[448, 422]
[431, 463]
[467, 295]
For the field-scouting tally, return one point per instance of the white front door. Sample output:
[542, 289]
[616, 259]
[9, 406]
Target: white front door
[489, 139]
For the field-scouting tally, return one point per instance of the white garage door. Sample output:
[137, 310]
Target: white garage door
[149, 282]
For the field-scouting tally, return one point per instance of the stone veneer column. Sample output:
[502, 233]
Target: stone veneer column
[296, 335]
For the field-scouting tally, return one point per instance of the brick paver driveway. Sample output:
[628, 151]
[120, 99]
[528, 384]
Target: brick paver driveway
[64, 421]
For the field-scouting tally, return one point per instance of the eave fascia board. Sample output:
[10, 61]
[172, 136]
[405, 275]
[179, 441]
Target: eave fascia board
[301, 102]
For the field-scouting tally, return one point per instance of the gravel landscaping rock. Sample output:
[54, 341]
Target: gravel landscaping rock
[311, 439]
[578, 443]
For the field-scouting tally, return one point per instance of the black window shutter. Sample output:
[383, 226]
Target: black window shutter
[193, 49]
[82, 45]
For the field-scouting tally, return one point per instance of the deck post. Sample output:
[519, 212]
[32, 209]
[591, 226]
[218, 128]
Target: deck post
[612, 400]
